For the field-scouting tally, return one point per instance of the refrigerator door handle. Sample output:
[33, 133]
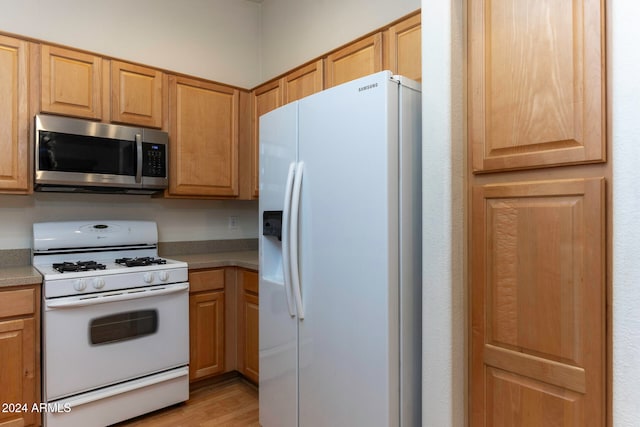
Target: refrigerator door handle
[295, 216]
[286, 253]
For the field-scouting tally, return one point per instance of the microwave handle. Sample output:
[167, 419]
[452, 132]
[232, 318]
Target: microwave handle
[139, 163]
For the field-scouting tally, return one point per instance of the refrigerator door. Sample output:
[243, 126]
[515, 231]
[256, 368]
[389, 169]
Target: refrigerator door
[349, 350]
[278, 328]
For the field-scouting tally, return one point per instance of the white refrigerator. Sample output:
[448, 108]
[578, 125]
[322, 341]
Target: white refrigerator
[340, 258]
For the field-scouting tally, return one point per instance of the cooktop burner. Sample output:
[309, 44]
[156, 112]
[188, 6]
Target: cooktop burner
[78, 266]
[142, 261]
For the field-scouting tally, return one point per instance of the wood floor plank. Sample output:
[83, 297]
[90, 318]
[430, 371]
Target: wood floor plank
[232, 403]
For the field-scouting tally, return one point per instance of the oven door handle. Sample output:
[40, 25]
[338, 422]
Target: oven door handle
[124, 388]
[120, 296]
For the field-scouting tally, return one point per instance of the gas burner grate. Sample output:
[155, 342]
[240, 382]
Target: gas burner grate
[63, 267]
[142, 261]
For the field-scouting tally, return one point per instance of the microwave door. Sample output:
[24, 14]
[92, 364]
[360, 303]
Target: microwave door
[71, 159]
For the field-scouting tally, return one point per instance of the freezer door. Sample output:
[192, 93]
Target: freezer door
[349, 352]
[278, 328]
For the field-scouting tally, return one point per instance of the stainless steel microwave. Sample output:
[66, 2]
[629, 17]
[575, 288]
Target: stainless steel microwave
[75, 155]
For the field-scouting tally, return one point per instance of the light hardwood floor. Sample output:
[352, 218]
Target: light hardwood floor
[232, 403]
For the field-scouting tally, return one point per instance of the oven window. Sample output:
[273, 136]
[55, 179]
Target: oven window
[123, 326]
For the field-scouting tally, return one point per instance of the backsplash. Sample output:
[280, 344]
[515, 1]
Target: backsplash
[178, 220]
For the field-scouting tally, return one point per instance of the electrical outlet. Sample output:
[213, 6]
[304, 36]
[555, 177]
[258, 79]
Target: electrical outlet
[233, 223]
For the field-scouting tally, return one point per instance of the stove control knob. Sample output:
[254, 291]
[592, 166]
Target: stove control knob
[164, 276]
[80, 285]
[98, 283]
[148, 277]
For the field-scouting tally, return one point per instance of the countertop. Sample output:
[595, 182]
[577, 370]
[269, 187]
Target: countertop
[16, 276]
[27, 275]
[245, 259]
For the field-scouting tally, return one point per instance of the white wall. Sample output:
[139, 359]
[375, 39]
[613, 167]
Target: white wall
[623, 68]
[178, 220]
[294, 32]
[444, 363]
[213, 39]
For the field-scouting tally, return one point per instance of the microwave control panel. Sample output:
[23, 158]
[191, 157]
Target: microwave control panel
[154, 160]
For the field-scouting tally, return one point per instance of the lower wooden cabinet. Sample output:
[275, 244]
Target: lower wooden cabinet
[223, 308]
[248, 324]
[206, 323]
[19, 356]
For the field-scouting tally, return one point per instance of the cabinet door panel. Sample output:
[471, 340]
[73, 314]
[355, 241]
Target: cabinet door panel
[14, 116]
[355, 60]
[204, 138]
[136, 95]
[537, 298]
[71, 83]
[18, 369]
[303, 82]
[536, 83]
[403, 48]
[251, 326]
[206, 314]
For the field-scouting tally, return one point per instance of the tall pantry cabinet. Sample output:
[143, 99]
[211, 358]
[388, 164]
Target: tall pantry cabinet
[538, 213]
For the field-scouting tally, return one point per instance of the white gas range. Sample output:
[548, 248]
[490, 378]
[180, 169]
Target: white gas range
[115, 321]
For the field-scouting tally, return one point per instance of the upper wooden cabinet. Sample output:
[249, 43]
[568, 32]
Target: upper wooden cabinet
[136, 94]
[71, 83]
[203, 130]
[536, 83]
[356, 60]
[303, 81]
[265, 98]
[403, 48]
[14, 116]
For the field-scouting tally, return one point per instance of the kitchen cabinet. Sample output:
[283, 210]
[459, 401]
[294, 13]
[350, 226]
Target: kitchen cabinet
[303, 81]
[265, 98]
[203, 130]
[206, 323]
[20, 355]
[536, 84]
[79, 84]
[248, 324]
[539, 250]
[71, 83]
[538, 303]
[354, 60]
[403, 48]
[14, 116]
[137, 95]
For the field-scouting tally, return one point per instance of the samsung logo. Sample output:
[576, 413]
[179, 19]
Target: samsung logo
[367, 87]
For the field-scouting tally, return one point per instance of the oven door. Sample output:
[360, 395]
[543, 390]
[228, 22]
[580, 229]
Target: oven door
[96, 340]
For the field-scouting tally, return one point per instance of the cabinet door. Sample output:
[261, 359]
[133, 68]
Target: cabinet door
[538, 304]
[265, 98]
[353, 61]
[403, 48]
[71, 83]
[136, 95]
[536, 83]
[251, 316]
[206, 318]
[18, 369]
[14, 116]
[303, 82]
[203, 130]
[248, 324]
